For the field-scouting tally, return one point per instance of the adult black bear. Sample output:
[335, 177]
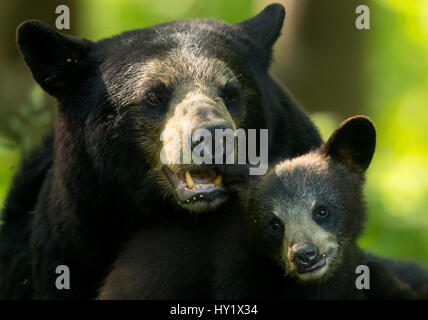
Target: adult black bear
[294, 237]
[100, 178]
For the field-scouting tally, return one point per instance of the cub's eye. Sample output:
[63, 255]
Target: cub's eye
[154, 98]
[275, 224]
[321, 212]
[231, 91]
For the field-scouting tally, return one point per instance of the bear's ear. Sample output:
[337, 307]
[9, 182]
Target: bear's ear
[352, 143]
[265, 27]
[55, 60]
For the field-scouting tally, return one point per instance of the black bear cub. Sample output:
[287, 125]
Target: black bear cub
[312, 207]
[293, 236]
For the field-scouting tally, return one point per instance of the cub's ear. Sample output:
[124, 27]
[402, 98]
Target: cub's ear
[56, 61]
[265, 27]
[352, 143]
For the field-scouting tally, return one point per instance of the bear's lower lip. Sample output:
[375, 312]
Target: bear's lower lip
[203, 190]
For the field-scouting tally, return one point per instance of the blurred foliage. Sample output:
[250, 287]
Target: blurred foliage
[396, 69]
[114, 17]
[9, 157]
[397, 187]
[395, 86]
[31, 116]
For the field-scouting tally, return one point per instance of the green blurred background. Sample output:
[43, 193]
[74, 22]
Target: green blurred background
[333, 69]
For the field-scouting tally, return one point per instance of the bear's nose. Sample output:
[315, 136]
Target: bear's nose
[304, 255]
[221, 142]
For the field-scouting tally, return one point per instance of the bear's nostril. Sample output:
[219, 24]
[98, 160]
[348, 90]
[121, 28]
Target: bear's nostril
[218, 147]
[304, 254]
[310, 255]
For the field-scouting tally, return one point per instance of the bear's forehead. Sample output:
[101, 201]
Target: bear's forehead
[185, 63]
[179, 67]
[203, 33]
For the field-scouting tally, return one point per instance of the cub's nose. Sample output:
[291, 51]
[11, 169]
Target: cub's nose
[304, 255]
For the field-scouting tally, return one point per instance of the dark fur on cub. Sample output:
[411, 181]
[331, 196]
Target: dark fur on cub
[83, 193]
[294, 237]
[315, 204]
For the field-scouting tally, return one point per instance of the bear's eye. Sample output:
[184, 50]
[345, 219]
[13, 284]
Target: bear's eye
[321, 212]
[230, 92]
[154, 98]
[275, 224]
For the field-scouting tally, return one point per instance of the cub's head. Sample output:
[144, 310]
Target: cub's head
[308, 211]
[131, 104]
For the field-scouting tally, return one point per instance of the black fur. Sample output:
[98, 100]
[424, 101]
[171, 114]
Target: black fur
[87, 190]
[203, 259]
[15, 271]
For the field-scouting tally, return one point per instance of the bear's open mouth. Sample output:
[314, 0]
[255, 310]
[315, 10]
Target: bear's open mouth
[196, 185]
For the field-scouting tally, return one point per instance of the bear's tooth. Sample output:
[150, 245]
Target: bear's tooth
[217, 180]
[189, 180]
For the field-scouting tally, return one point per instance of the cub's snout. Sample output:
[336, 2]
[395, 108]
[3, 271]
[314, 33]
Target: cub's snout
[306, 257]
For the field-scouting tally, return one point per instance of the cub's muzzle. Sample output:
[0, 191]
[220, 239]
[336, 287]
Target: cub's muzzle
[306, 257]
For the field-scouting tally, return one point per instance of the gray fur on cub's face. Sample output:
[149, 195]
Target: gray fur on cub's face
[285, 209]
